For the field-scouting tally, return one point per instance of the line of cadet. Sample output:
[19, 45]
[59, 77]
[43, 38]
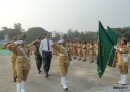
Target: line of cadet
[81, 49]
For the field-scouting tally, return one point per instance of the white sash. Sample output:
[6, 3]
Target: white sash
[125, 58]
[66, 53]
[25, 55]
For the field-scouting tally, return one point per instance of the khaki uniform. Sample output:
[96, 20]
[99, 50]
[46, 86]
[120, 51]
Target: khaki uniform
[123, 67]
[91, 53]
[22, 65]
[75, 50]
[88, 46]
[71, 48]
[79, 51]
[96, 50]
[13, 60]
[63, 60]
[84, 52]
[68, 47]
[54, 52]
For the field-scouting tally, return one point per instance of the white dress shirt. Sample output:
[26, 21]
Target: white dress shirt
[44, 45]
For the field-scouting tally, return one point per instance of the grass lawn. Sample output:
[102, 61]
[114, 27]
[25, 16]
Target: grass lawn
[4, 52]
[1, 47]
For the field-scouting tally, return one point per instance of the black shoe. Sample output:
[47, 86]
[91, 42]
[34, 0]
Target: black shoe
[46, 75]
[90, 62]
[66, 89]
[14, 79]
[39, 71]
[84, 60]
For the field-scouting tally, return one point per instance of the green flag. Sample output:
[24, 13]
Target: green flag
[114, 38]
[105, 46]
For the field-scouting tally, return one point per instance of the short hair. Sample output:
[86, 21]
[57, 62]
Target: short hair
[39, 38]
[125, 42]
[47, 33]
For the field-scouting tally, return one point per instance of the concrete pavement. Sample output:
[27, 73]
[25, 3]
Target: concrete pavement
[82, 77]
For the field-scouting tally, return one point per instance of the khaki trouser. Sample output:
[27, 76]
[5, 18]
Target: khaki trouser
[22, 69]
[63, 70]
[87, 51]
[13, 69]
[91, 55]
[79, 54]
[123, 69]
[84, 54]
[13, 60]
[91, 58]
[63, 64]
[96, 53]
[75, 54]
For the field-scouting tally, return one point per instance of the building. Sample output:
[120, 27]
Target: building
[3, 41]
[55, 34]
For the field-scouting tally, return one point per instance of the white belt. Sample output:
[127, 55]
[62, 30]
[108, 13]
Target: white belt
[62, 55]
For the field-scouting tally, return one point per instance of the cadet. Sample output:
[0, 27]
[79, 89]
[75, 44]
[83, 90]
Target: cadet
[79, 50]
[75, 50]
[71, 48]
[67, 45]
[38, 57]
[122, 52]
[64, 59]
[84, 51]
[88, 46]
[96, 48]
[54, 52]
[22, 62]
[13, 58]
[91, 52]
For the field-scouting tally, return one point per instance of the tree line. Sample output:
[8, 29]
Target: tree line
[34, 32]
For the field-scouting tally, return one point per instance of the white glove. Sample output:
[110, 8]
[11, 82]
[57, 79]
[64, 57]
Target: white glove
[61, 41]
[71, 62]
[115, 47]
[18, 42]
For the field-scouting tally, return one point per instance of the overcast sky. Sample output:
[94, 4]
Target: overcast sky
[61, 15]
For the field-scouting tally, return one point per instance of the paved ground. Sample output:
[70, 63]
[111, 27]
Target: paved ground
[82, 77]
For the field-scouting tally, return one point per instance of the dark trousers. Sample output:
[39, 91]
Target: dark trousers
[46, 58]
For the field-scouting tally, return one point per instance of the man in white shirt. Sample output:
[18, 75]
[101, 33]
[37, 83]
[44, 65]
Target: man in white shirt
[46, 53]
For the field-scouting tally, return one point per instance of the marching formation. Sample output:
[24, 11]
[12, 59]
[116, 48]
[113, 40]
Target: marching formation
[81, 49]
[66, 52]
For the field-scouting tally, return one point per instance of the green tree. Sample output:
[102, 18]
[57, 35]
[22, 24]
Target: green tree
[35, 32]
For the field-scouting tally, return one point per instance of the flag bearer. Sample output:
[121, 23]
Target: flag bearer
[122, 53]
